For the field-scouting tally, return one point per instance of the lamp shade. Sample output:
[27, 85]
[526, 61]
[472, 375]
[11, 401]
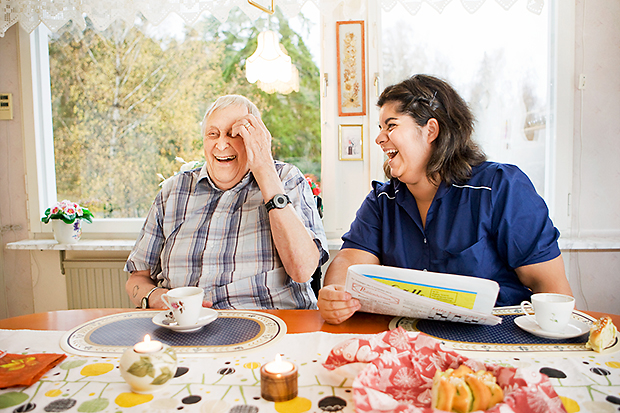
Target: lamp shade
[283, 88]
[269, 63]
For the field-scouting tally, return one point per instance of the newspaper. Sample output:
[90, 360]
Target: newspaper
[423, 294]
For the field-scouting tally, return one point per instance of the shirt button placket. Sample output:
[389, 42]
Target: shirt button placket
[426, 254]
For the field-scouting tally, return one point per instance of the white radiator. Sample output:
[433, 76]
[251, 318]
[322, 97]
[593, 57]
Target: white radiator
[96, 284]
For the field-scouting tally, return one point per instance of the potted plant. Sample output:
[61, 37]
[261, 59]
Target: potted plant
[66, 217]
[316, 191]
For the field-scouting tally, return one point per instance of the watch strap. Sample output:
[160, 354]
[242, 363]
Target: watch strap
[145, 299]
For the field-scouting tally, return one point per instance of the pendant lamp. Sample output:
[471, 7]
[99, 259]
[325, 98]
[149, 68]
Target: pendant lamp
[270, 64]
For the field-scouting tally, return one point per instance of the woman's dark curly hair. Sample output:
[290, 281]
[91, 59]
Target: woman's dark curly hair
[453, 152]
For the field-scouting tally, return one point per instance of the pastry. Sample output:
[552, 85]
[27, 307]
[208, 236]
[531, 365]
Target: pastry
[463, 391]
[602, 334]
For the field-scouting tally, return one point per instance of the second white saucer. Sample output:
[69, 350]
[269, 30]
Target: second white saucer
[166, 319]
[575, 328]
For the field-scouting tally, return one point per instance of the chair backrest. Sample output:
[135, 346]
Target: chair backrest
[316, 281]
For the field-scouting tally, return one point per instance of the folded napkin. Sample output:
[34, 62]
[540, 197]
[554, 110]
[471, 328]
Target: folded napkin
[26, 369]
[399, 371]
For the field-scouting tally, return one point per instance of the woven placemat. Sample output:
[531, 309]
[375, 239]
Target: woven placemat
[234, 331]
[506, 336]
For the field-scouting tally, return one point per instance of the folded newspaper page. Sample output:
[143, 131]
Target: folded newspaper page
[423, 294]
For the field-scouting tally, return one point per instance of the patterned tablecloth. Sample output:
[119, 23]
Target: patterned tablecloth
[585, 381]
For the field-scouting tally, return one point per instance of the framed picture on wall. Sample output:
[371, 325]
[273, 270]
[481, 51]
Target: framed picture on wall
[350, 142]
[351, 61]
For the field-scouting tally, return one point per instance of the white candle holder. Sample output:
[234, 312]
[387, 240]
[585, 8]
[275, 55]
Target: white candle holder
[149, 370]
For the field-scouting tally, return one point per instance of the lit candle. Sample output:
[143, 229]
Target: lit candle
[147, 346]
[278, 380]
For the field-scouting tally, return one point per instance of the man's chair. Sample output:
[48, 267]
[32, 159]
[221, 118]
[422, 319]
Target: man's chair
[318, 274]
[316, 281]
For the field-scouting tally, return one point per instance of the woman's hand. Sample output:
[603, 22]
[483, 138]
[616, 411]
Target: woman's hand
[336, 305]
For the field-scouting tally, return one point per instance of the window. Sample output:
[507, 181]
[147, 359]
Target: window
[127, 101]
[544, 154]
[498, 62]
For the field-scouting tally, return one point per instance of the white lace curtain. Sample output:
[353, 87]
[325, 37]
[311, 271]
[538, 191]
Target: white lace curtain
[56, 13]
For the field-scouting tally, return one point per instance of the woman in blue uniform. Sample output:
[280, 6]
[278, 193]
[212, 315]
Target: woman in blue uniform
[445, 208]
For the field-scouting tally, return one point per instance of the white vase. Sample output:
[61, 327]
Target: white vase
[148, 372]
[67, 233]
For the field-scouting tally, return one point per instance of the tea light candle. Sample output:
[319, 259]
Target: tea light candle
[147, 346]
[278, 380]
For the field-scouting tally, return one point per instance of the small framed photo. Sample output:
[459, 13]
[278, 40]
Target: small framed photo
[351, 61]
[350, 142]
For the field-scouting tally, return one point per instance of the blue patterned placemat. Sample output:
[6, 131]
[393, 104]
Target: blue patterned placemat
[506, 336]
[233, 331]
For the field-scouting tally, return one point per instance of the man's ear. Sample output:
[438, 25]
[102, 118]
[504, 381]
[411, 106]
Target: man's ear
[432, 129]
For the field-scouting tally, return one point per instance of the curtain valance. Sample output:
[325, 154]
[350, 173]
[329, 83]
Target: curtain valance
[56, 13]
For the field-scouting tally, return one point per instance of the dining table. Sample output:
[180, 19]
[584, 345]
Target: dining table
[225, 376]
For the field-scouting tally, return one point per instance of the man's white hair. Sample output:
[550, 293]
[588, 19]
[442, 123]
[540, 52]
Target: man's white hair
[229, 100]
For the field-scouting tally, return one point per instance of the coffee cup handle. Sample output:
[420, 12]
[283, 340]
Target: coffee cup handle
[527, 314]
[164, 298]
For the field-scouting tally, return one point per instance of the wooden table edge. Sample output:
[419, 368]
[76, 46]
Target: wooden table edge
[297, 321]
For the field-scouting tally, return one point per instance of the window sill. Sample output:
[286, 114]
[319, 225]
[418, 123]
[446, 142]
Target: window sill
[566, 244]
[82, 245]
[99, 245]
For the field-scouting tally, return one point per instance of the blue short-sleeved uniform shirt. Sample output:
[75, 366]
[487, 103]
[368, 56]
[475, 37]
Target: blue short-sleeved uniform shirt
[486, 228]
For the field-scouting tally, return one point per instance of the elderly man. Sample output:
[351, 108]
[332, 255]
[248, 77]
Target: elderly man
[244, 227]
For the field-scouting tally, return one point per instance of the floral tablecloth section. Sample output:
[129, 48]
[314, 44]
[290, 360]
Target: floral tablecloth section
[584, 382]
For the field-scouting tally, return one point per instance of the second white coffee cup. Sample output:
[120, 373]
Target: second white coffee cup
[552, 312]
[185, 303]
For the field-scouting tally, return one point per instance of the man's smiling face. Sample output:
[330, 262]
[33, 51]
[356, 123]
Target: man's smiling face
[227, 161]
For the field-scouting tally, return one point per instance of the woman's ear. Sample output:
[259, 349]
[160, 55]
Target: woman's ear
[432, 129]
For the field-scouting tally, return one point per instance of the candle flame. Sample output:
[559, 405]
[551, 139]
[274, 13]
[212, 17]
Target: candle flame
[147, 338]
[278, 358]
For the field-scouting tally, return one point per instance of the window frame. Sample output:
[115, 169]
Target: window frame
[38, 131]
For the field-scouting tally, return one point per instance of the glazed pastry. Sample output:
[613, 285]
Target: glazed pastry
[463, 391]
[602, 334]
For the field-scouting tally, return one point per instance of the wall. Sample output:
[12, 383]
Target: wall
[593, 274]
[16, 294]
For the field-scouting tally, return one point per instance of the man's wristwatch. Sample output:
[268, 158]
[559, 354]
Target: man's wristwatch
[278, 201]
[144, 303]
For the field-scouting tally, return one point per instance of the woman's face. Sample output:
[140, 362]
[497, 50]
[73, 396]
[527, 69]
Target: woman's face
[406, 144]
[226, 158]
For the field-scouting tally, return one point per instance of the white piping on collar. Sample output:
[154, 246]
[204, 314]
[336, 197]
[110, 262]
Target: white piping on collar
[472, 187]
[386, 194]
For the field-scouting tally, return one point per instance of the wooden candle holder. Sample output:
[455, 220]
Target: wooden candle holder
[278, 387]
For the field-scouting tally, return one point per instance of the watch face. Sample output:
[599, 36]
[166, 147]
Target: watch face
[280, 201]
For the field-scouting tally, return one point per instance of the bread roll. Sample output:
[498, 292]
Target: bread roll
[463, 391]
[602, 334]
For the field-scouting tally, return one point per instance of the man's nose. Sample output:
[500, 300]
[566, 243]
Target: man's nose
[222, 142]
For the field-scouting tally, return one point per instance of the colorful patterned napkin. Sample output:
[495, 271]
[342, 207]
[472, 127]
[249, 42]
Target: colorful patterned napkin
[401, 366]
[26, 369]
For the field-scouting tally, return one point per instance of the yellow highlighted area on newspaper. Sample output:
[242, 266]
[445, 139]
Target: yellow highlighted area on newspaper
[460, 298]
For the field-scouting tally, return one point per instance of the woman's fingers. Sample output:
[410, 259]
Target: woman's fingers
[336, 305]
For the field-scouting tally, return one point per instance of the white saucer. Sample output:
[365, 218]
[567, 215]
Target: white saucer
[166, 319]
[575, 328]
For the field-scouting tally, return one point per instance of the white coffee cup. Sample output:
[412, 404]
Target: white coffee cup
[185, 303]
[552, 312]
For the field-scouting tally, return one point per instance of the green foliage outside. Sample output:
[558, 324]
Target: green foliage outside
[125, 105]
